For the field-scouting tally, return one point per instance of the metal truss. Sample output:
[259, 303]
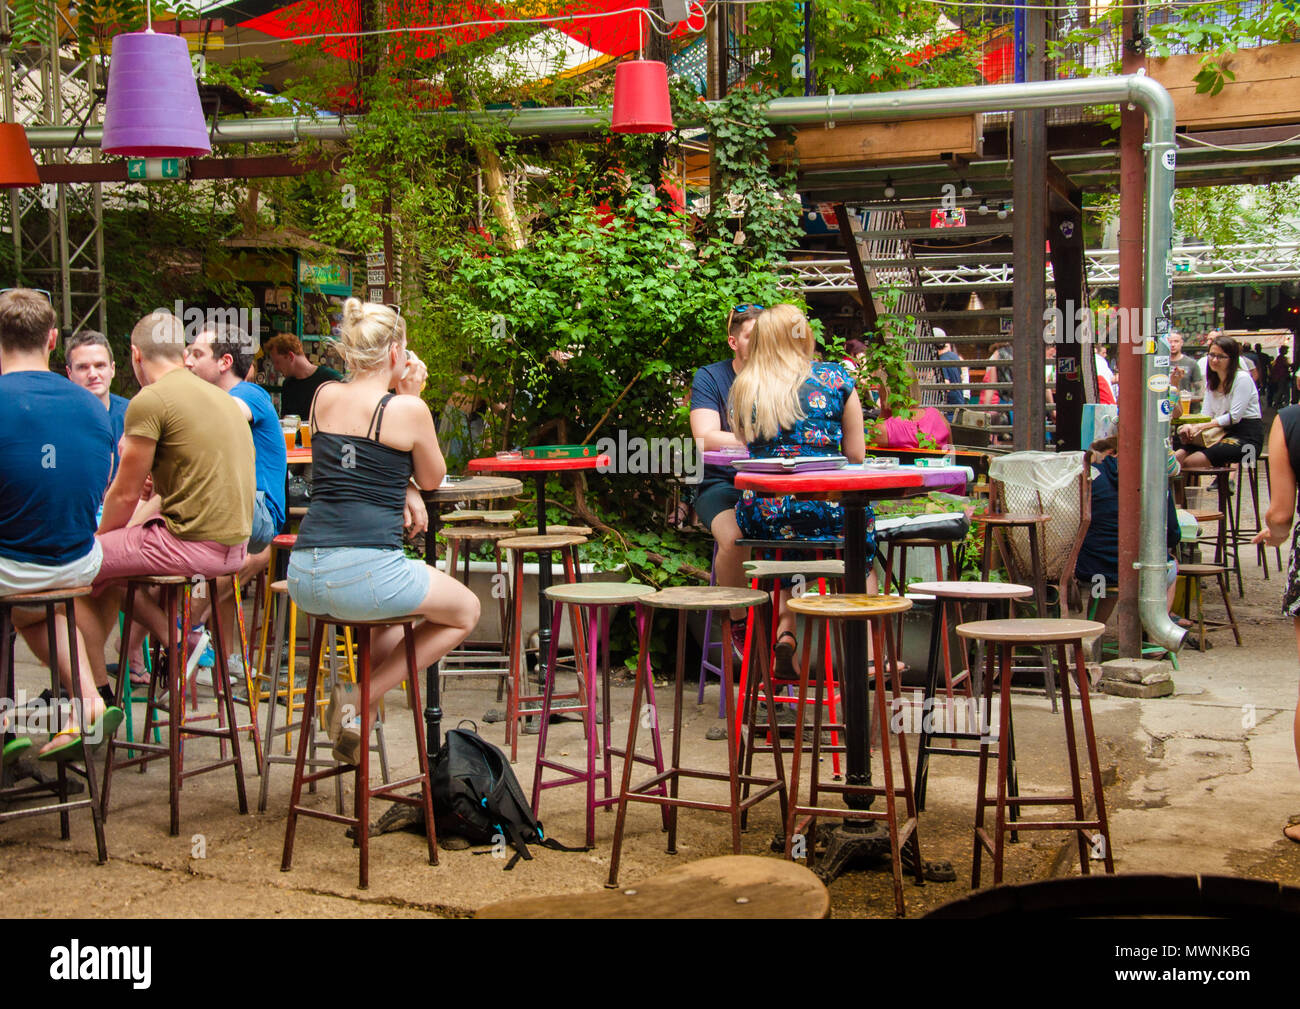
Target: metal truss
[57, 228]
[1193, 264]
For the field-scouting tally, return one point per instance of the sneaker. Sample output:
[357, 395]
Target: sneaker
[738, 639]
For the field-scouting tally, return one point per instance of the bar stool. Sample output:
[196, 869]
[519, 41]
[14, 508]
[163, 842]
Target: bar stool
[948, 597]
[684, 599]
[1246, 472]
[264, 614]
[1006, 634]
[49, 600]
[1194, 574]
[1032, 523]
[363, 790]
[768, 576]
[876, 610]
[174, 592]
[1225, 544]
[566, 545]
[480, 658]
[249, 700]
[598, 599]
[334, 675]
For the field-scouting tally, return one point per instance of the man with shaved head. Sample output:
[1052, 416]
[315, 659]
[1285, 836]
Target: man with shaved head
[193, 440]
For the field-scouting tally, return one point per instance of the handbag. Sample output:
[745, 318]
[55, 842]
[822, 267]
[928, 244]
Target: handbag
[1208, 438]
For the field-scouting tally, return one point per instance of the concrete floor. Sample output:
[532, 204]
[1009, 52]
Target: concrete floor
[1198, 782]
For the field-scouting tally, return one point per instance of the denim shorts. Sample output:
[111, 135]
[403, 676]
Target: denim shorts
[357, 583]
[264, 529]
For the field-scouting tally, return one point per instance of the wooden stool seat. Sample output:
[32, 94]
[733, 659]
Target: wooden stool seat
[386, 622]
[468, 515]
[297, 512]
[1010, 519]
[598, 593]
[476, 534]
[1204, 516]
[979, 592]
[792, 544]
[787, 569]
[280, 587]
[500, 517]
[158, 580]
[704, 597]
[285, 541]
[850, 606]
[1202, 570]
[490, 517]
[555, 531]
[727, 886]
[46, 596]
[1031, 630]
[551, 541]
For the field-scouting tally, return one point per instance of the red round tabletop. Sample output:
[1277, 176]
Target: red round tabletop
[298, 456]
[828, 481]
[491, 464]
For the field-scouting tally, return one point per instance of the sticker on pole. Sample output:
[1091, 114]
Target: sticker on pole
[1166, 411]
[1169, 159]
[1149, 346]
[1162, 361]
[1158, 383]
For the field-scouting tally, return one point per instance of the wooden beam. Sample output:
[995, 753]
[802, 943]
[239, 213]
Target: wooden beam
[1262, 93]
[858, 144]
[850, 241]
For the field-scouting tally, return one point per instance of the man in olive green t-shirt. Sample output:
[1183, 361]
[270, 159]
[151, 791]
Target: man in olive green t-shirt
[192, 441]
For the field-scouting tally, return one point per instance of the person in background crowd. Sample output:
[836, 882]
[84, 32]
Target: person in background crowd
[1279, 379]
[220, 355]
[925, 422]
[1283, 467]
[853, 351]
[373, 451]
[953, 375]
[88, 360]
[716, 496]
[1184, 373]
[56, 450]
[784, 405]
[1232, 402]
[301, 377]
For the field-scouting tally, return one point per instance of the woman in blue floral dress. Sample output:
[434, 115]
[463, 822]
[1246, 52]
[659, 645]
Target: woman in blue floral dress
[784, 405]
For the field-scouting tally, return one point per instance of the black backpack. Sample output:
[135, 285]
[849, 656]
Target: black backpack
[477, 796]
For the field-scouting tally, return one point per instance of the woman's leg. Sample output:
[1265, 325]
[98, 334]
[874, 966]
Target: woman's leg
[450, 613]
[1293, 832]
[1194, 460]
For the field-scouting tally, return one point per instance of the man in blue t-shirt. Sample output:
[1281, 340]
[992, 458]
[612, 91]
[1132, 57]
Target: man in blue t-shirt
[221, 354]
[716, 496]
[55, 453]
[88, 360]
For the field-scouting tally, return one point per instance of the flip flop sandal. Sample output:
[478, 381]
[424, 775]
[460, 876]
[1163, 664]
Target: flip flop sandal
[15, 748]
[1181, 621]
[783, 667]
[1292, 821]
[100, 732]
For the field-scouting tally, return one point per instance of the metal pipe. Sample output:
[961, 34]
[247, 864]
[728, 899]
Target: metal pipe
[921, 104]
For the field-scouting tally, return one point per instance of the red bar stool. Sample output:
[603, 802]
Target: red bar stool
[876, 610]
[174, 596]
[480, 658]
[598, 599]
[363, 790]
[58, 789]
[1091, 832]
[566, 545]
[721, 600]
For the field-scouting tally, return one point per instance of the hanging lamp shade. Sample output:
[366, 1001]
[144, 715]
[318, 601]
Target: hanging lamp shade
[153, 108]
[641, 98]
[17, 166]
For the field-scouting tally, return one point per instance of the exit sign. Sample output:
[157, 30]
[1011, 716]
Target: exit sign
[151, 169]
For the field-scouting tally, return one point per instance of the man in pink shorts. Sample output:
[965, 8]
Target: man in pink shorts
[193, 440]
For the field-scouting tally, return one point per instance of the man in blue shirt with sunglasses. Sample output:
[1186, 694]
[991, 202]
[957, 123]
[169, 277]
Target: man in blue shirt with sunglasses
[716, 496]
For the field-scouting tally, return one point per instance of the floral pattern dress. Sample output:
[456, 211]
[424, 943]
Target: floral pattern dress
[823, 397]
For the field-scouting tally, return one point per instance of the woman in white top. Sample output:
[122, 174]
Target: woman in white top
[1232, 403]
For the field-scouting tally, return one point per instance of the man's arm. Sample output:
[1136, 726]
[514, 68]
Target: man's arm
[706, 428]
[132, 471]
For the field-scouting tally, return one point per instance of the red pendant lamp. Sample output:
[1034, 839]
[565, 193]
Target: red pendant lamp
[641, 102]
[17, 166]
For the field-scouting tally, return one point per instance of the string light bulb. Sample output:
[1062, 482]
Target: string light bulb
[966, 190]
[889, 187]
[1003, 211]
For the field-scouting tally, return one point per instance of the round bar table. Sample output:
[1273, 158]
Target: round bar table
[453, 489]
[539, 469]
[854, 487]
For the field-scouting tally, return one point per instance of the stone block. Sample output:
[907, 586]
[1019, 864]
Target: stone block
[1133, 670]
[1124, 688]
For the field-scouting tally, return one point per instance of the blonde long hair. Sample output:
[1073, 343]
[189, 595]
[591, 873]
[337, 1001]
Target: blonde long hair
[764, 398]
[367, 332]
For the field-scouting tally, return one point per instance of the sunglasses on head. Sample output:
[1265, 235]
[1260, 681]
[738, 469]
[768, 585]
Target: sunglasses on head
[48, 297]
[739, 310]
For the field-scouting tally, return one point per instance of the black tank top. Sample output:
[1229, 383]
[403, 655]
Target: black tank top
[1290, 418]
[358, 492]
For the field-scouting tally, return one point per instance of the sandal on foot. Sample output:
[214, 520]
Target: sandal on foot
[69, 741]
[15, 748]
[783, 668]
[1181, 621]
[1293, 821]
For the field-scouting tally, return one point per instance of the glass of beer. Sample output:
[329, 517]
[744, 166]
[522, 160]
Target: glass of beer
[290, 431]
[304, 435]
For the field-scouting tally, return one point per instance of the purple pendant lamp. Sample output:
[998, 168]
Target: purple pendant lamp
[153, 108]
[17, 166]
[641, 96]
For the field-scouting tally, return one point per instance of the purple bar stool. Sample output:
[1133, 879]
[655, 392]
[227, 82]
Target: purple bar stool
[598, 599]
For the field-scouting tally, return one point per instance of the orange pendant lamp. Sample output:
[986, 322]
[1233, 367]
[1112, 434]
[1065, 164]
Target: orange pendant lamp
[641, 102]
[17, 166]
